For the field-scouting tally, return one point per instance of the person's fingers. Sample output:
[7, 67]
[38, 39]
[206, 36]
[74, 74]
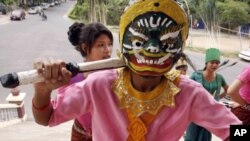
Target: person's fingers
[47, 70]
[55, 69]
[65, 73]
[38, 65]
[52, 70]
[61, 65]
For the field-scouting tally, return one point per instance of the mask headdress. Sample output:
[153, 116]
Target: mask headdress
[152, 34]
[139, 7]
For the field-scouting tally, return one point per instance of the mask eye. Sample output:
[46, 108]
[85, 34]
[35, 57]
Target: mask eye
[137, 42]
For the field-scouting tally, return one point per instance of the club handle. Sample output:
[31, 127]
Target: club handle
[15, 79]
[12, 80]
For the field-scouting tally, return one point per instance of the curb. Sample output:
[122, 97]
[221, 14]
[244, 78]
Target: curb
[4, 19]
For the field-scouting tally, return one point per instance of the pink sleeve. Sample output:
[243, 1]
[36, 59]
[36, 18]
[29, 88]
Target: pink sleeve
[245, 75]
[217, 120]
[78, 99]
[71, 102]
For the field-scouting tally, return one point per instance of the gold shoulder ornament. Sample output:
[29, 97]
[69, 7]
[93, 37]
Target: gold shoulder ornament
[145, 102]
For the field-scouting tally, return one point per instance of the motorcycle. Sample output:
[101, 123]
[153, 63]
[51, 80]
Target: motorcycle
[44, 17]
[42, 14]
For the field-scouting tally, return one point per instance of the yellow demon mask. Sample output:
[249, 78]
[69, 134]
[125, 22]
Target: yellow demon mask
[152, 35]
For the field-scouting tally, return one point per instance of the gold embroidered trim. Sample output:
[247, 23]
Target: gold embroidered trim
[141, 102]
[137, 130]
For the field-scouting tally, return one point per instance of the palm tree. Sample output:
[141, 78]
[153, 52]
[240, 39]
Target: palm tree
[102, 11]
[92, 13]
[100, 7]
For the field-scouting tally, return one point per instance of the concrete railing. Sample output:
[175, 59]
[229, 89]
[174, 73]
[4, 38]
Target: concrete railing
[13, 111]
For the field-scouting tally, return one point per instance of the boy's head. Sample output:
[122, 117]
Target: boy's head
[182, 66]
[152, 34]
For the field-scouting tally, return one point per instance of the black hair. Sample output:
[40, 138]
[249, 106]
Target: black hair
[181, 66]
[74, 33]
[79, 34]
[205, 67]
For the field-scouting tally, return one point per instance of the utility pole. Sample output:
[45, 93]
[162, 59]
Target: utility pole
[240, 38]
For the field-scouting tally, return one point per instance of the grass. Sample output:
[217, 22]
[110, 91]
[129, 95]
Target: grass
[228, 54]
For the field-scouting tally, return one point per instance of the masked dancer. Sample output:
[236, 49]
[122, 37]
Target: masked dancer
[142, 101]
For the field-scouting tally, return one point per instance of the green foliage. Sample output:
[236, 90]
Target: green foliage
[229, 12]
[9, 2]
[115, 9]
[233, 13]
[80, 12]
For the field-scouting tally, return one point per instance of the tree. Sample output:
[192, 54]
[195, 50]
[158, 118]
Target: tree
[207, 11]
[114, 10]
[233, 13]
[91, 11]
[225, 11]
[99, 10]
[8, 2]
[102, 11]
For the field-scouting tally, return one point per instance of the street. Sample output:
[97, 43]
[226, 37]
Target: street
[23, 41]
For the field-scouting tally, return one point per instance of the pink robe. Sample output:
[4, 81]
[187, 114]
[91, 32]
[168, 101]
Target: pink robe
[84, 120]
[245, 89]
[109, 122]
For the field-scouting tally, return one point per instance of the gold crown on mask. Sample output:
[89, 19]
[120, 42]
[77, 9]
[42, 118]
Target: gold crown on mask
[169, 7]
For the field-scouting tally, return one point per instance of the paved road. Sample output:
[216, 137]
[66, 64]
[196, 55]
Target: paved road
[4, 19]
[22, 42]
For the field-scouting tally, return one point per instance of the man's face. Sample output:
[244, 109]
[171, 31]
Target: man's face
[182, 69]
[150, 43]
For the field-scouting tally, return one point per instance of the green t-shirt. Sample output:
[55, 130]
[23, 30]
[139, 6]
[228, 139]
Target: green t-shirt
[213, 87]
